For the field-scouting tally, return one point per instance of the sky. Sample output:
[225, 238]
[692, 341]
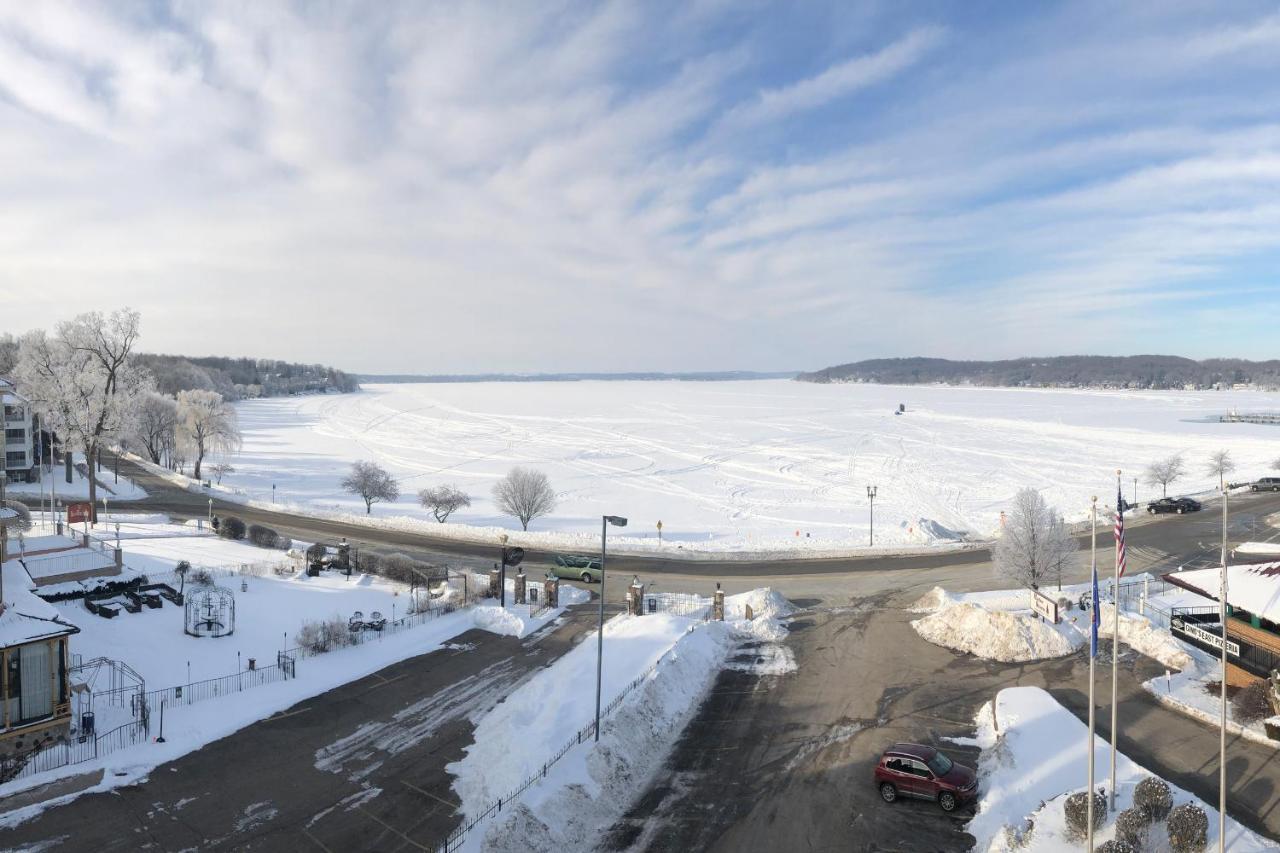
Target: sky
[696, 185]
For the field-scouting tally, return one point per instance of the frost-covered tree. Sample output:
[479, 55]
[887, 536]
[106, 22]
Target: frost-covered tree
[525, 494]
[1034, 546]
[372, 483]
[153, 425]
[83, 381]
[208, 425]
[1220, 465]
[1164, 472]
[443, 501]
[220, 470]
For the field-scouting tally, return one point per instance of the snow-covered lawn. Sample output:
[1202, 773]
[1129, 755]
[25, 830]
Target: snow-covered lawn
[1040, 755]
[1000, 625]
[593, 784]
[78, 489]
[744, 466]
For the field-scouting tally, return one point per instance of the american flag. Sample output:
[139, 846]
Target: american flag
[1119, 533]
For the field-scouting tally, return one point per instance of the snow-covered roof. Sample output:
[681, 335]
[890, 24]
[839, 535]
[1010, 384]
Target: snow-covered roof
[26, 617]
[1253, 587]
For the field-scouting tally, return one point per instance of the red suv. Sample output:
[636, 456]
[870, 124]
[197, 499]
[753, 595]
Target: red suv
[914, 770]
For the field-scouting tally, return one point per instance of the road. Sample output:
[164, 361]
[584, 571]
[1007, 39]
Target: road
[768, 762]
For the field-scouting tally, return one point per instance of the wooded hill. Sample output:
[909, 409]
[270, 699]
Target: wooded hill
[243, 378]
[1066, 371]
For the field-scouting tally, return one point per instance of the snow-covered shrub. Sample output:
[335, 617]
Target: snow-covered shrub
[369, 562]
[263, 537]
[232, 528]
[1115, 846]
[1064, 604]
[1153, 796]
[200, 577]
[1188, 829]
[316, 552]
[1076, 810]
[1132, 826]
[320, 636]
[1252, 703]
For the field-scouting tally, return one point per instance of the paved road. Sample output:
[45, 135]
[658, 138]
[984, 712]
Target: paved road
[785, 762]
[766, 759]
[1170, 535]
[361, 767]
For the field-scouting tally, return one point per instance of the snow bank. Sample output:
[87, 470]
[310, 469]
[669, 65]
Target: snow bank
[1138, 633]
[934, 599]
[592, 787]
[994, 634]
[1036, 758]
[516, 620]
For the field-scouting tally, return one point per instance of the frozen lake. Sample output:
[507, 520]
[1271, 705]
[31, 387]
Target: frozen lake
[746, 465]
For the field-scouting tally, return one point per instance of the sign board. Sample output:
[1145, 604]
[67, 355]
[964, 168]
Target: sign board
[78, 512]
[1204, 636]
[651, 604]
[1045, 606]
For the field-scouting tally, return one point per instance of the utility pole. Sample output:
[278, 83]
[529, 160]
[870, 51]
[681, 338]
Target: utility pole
[871, 496]
[1093, 655]
[1222, 732]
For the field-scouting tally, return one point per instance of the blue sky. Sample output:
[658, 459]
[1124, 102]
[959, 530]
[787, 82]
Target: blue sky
[622, 186]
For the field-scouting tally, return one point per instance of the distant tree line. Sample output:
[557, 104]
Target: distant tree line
[1067, 371]
[243, 378]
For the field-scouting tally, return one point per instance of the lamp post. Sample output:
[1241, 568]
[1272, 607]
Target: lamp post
[273, 492]
[1222, 731]
[210, 511]
[871, 496]
[502, 573]
[605, 521]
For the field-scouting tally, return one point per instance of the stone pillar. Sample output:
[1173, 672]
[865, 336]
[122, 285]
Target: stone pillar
[495, 583]
[717, 605]
[119, 559]
[635, 599]
[84, 539]
[551, 591]
[519, 588]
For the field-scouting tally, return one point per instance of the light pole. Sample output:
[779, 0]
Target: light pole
[605, 521]
[502, 574]
[273, 492]
[871, 496]
[1222, 732]
[211, 511]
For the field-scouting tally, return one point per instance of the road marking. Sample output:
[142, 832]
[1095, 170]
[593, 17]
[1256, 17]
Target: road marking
[316, 841]
[390, 827]
[454, 806]
[283, 714]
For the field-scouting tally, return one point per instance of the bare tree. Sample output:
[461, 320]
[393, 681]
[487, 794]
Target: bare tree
[220, 470]
[372, 483]
[1164, 472]
[1220, 465]
[208, 423]
[525, 494]
[443, 501]
[1034, 546]
[83, 381]
[157, 418]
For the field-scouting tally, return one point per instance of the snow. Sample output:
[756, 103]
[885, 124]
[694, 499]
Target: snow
[994, 634]
[593, 783]
[1038, 756]
[1251, 587]
[999, 625]
[756, 466]
[77, 489]
[1187, 692]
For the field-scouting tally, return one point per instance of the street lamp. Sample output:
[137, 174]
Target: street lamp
[502, 573]
[871, 496]
[210, 511]
[605, 521]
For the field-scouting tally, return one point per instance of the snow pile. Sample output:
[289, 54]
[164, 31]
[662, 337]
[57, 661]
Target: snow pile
[515, 620]
[592, 787]
[1139, 634]
[934, 599]
[993, 634]
[769, 611]
[1039, 756]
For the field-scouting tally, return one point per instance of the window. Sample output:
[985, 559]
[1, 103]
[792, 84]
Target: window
[30, 688]
[918, 769]
[15, 459]
[939, 764]
[15, 435]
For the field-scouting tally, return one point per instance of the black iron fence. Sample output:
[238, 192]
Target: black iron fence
[84, 748]
[212, 688]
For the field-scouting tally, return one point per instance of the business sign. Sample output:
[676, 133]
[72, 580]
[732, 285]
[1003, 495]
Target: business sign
[79, 512]
[1045, 606]
[1203, 636]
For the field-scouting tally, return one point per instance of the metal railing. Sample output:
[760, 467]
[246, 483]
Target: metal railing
[213, 688]
[587, 732]
[85, 748]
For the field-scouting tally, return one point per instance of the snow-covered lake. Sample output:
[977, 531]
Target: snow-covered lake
[746, 465]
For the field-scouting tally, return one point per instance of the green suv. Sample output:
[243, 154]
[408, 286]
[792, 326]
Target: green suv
[585, 569]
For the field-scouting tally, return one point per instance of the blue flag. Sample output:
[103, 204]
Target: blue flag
[1093, 644]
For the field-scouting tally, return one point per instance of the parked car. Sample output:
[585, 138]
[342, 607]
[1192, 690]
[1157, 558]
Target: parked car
[1178, 505]
[922, 772]
[585, 569]
[1266, 484]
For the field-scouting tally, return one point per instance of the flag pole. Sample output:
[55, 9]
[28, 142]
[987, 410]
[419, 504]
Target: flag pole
[1093, 654]
[1115, 634]
[1222, 732]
